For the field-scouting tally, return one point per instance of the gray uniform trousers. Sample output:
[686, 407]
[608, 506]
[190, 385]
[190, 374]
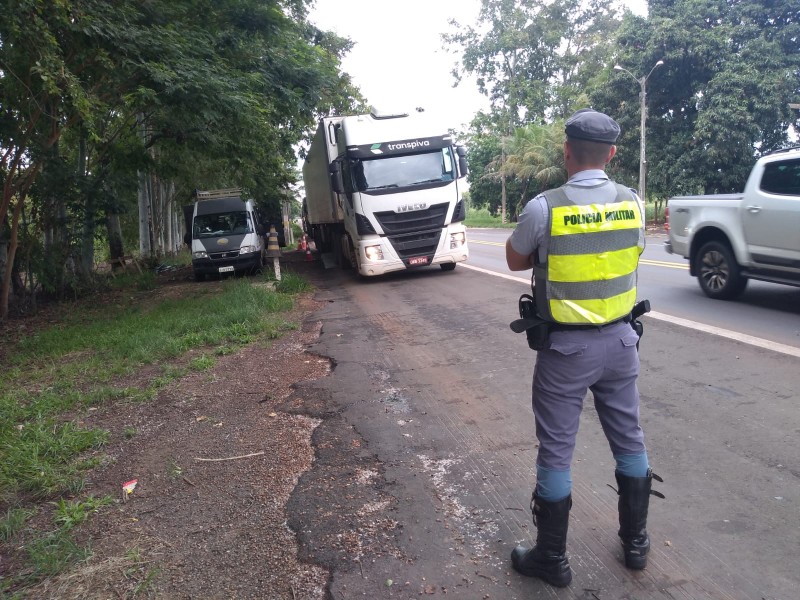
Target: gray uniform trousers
[604, 360]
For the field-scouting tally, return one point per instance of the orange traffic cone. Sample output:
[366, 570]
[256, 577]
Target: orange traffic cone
[303, 246]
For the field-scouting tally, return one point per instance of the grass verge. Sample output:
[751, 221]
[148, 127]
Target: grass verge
[481, 217]
[81, 362]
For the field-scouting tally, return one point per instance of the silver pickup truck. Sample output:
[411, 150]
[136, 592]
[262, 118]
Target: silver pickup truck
[730, 238]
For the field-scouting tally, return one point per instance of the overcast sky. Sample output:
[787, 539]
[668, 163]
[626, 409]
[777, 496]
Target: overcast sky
[398, 61]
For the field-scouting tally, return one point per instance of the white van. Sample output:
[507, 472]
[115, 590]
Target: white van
[225, 234]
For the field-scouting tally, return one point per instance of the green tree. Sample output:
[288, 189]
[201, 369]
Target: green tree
[534, 156]
[96, 94]
[719, 100]
[484, 181]
[533, 59]
[527, 54]
[530, 161]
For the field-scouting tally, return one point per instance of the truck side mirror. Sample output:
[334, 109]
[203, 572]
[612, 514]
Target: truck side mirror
[187, 238]
[463, 169]
[336, 178]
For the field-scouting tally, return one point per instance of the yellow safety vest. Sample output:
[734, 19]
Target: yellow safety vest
[595, 237]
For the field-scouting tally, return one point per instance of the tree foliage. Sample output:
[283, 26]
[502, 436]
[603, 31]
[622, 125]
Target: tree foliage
[531, 161]
[533, 59]
[196, 93]
[721, 98]
[534, 157]
[530, 56]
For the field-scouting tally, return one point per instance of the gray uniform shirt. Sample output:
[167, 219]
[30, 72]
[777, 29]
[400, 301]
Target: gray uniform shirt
[531, 230]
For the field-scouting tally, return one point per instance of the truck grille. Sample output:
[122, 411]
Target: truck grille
[407, 222]
[223, 255]
[416, 244]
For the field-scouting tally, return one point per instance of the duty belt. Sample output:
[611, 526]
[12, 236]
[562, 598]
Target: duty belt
[587, 326]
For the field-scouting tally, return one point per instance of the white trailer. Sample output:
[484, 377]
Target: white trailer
[383, 193]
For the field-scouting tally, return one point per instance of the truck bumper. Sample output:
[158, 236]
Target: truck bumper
[450, 250]
[668, 247]
[238, 264]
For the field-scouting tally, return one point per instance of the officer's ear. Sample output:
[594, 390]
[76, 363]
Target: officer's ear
[611, 153]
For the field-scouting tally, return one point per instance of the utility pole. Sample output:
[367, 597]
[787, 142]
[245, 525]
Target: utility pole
[642, 81]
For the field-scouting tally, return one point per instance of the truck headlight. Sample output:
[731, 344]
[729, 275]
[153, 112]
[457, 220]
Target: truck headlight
[457, 240]
[247, 249]
[374, 252]
[200, 254]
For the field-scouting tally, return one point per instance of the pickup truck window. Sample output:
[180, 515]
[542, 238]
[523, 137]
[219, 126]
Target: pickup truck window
[782, 178]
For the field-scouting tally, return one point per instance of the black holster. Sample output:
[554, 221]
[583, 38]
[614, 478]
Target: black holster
[539, 331]
[639, 309]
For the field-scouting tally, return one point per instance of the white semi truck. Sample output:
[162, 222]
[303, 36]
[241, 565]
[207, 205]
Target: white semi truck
[383, 193]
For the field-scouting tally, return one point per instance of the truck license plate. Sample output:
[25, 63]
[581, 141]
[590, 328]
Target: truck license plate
[226, 269]
[418, 260]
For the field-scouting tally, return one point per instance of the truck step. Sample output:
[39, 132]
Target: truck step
[328, 260]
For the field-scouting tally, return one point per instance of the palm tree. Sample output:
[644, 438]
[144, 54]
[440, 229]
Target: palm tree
[534, 155]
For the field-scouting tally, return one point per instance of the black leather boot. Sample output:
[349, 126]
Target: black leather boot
[634, 501]
[547, 560]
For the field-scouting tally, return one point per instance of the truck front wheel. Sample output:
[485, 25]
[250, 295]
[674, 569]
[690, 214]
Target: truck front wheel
[718, 273]
[352, 254]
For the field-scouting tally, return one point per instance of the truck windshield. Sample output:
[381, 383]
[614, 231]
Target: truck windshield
[403, 171]
[218, 224]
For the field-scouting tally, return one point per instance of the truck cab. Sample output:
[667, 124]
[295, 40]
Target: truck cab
[224, 233]
[383, 192]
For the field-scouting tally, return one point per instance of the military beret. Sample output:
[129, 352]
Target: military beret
[588, 124]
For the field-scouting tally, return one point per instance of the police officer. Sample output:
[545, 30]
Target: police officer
[583, 241]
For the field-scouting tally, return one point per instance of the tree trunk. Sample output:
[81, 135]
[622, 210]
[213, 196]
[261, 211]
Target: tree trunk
[57, 238]
[162, 212]
[12, 250]
[503, 197]
[145, 207]
[114, 233]
[87, 237]
[169, 218]
[144, 216]
[4, 243]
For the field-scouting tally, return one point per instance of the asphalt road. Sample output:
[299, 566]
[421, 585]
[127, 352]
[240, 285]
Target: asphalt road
[436, 388]
[765, 310]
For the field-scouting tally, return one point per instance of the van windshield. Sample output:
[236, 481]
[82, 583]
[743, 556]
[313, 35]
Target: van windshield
[404, 171]
[231, 223]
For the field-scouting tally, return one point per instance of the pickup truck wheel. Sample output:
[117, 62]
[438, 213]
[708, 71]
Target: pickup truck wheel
[717, 272]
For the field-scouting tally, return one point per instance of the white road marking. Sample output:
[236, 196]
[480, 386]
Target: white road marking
[726, 333]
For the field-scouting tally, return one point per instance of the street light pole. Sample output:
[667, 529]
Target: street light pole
[642, 81]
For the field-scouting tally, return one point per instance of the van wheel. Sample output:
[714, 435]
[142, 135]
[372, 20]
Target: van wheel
[718, 273]
[448, 266]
